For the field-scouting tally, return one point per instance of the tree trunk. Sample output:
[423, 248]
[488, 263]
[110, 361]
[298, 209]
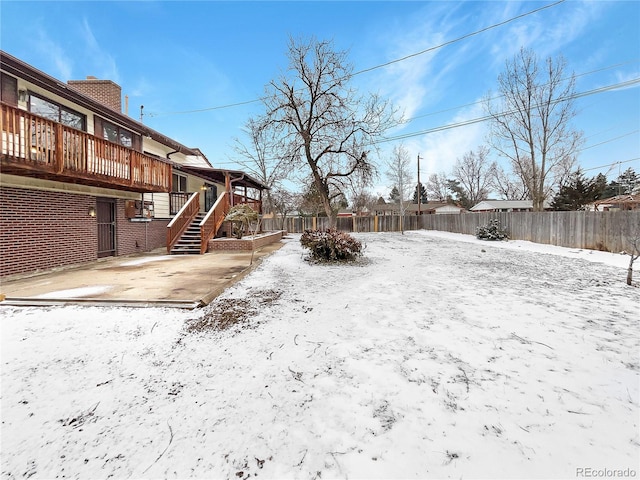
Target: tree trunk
[630, 270]
[333, 221]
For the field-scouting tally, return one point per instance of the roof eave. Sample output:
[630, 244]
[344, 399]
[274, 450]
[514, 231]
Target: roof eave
[23, 70]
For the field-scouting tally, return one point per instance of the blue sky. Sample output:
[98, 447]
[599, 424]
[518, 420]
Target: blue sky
[182, 56]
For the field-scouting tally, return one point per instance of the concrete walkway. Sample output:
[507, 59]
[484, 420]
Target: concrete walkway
[150, 279]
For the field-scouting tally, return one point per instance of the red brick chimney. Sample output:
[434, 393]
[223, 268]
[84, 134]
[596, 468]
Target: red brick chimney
[106, 92]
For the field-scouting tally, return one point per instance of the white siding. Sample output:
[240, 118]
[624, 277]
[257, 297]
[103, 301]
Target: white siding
[160, 204]
[448, 209]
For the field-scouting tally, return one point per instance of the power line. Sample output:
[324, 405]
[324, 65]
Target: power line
[608, 141]
[468, 35]
[478, 102]
[611, 164]
[485, 118]
[472, 121]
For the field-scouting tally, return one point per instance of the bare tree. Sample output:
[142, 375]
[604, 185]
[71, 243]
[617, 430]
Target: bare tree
[399, 174]
[531, 122]
[437, 187]
[474, 172]
[361, 198]
[322, 125]
[259, 159]
[284, 202]
[633, 240]
[508, 186]
[363, 201]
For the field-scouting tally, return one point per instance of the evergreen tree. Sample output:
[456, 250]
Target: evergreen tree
[311, 202]
[460, 195]
[600, 185]
[340, 202]
[626, 183]
[628, 180]
[394, 196]
[577, 193]
[423, 194]
[612, 189]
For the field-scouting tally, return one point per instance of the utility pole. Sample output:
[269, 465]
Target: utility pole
[419, 189]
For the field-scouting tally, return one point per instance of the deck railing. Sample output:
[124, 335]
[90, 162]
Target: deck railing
[213, 220]
[256, 205]
[36, 146]
[177, 201]
[181, 221]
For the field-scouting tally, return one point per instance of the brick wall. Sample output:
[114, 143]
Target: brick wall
[246, 243]
[104, 91]
[136, 237]
[41, 230]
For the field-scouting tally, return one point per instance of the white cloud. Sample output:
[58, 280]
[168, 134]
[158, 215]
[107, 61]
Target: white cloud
[101, 61]
[547, 32]
[435, 76]
[417, 82]
[54, 53]
[622, 76]
[442, 149]
[140, 88]
[427, 80]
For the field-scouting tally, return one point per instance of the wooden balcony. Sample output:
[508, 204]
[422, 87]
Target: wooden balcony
[34, 146]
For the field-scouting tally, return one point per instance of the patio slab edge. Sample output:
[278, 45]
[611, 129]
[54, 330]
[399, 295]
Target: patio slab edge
[98, 302]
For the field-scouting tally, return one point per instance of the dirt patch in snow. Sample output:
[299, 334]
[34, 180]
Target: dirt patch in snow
[225, 313]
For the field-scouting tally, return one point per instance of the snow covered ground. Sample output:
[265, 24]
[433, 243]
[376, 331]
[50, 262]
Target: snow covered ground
[436, 356]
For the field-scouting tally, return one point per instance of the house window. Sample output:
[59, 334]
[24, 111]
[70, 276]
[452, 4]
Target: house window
[114, 133]
[179, 183]
[56, 112]
[9, 89]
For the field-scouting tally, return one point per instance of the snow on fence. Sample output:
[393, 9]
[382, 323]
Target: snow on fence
[607, 231]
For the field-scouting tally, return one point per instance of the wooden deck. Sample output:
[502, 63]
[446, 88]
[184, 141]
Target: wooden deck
[34, 146]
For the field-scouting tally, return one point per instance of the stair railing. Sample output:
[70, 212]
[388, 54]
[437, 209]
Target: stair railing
[213, 220]
[181, 221]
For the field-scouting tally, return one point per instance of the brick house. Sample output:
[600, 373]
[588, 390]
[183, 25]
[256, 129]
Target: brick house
[80, 179]
[616, 203]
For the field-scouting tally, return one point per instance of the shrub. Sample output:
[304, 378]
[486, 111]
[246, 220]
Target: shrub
[241, 216]
[331, 245]
[491, 231]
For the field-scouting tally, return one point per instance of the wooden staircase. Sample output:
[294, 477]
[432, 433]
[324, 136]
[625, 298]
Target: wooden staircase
[190, 230]
[189, 242]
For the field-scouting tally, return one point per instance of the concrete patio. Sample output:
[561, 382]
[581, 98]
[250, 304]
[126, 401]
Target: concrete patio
[150, 279]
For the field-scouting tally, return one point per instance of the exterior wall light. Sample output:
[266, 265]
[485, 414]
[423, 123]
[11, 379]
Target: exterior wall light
[203, 187]
[22, 95]
[92, 211]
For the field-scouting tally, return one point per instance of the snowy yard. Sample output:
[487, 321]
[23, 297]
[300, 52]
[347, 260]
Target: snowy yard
[437, 356]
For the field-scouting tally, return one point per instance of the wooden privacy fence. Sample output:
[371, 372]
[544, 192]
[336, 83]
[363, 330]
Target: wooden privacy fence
[607, 231]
